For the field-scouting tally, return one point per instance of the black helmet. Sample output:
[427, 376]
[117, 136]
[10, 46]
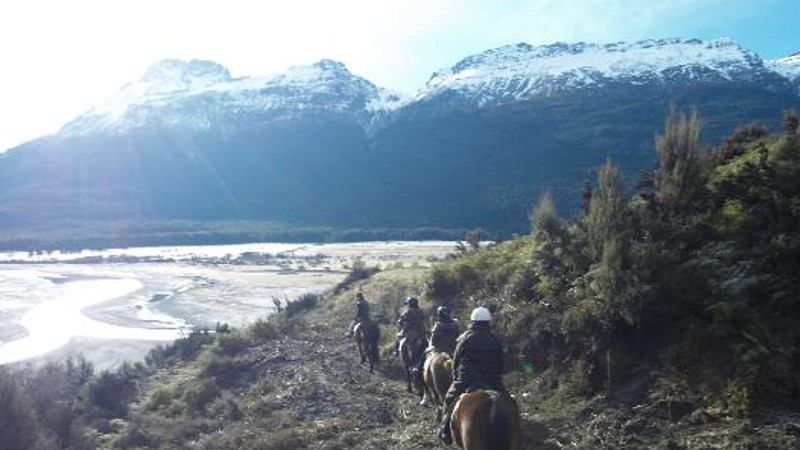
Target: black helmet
[443, 313]
[359, 297]
[411, 301]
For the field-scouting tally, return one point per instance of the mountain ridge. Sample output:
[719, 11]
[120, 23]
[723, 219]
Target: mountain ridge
[317, 146]
[509, 73]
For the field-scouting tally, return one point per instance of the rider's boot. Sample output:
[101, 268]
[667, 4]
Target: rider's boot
[444, 431]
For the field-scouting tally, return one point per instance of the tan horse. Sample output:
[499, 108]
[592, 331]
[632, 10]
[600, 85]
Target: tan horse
[438, 376]
[367, 335]
[411, 349]
[486, 420]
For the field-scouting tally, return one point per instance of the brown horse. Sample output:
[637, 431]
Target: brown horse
[486, 420]
[438, 376]
[411, 349]
[367, 336]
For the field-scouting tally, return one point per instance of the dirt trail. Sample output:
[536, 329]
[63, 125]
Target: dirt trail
[319, 377]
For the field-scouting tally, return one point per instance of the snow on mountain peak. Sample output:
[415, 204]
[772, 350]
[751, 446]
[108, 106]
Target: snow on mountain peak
[521, 70]
[789, 66]
[170, 69]
[200, 93]
[171, 75]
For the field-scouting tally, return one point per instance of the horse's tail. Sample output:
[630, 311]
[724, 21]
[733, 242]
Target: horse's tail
[374, 335]
[498, 435]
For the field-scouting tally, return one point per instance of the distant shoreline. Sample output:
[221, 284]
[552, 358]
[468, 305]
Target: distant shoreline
[79, 236]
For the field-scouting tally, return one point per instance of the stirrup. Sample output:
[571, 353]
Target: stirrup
[444, 435]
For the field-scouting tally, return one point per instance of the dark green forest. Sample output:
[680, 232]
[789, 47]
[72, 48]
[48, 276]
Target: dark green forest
[667, 308]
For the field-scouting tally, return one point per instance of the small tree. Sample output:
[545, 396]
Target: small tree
[544, 218]
[608, 210]
[18, 428]
[677, 179]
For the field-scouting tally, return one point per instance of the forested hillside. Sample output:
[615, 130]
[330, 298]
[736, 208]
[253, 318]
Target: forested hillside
[663, 316]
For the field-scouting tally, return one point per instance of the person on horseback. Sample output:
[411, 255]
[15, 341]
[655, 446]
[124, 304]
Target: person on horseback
[362, 313]
[445, 332]
[443, 339]
[477, 361]
[410, 324]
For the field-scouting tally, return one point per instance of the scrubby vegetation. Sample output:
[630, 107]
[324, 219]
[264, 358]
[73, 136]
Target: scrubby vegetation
[683, 288]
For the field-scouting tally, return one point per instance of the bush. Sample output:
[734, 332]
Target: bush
[263, 330]
[305, 302]
[225, 369]
[18, 426]
[182, 349]
[233, 343]
[359, 272]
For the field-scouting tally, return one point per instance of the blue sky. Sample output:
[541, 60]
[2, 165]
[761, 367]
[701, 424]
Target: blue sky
[61, 57]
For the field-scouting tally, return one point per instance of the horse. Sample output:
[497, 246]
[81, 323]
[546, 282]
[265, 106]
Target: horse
[438, 376]
[411, 349]
[486, 420]
[367, 335]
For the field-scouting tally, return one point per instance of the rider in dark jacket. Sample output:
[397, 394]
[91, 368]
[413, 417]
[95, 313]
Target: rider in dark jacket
[410, 323]
[478, 360]
[362, 313]
[443, 340]
[445, 332]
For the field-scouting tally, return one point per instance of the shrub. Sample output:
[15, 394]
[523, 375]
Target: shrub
[359, 272]
[263, 330]
[305, 302]
[233, 343]
[18, 426]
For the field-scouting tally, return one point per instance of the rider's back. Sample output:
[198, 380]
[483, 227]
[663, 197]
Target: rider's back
[412, 321]
[479, 356]
[444, 336]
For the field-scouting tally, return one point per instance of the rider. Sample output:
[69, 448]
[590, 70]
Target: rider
[478, 360]
[443, 339]
[362, 313]
[445, 332]
[410, 323]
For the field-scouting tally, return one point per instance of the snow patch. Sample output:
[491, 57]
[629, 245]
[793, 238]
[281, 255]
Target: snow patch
[788, 67]
[521, 70]
[196, 94]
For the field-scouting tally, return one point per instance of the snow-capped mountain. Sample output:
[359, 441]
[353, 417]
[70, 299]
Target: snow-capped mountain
[318, 145]
[522, 71]
[788, 67]
[202, 95]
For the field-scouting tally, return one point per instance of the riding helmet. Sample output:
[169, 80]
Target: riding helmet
[481, 314]
[443, 312]
[411, 301]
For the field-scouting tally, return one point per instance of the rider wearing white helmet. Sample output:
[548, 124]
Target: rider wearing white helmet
[477, 361]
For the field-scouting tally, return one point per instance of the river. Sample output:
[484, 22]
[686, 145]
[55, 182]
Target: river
[114, 305]
[51, 325]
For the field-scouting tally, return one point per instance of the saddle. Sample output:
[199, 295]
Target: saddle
[479, 386]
